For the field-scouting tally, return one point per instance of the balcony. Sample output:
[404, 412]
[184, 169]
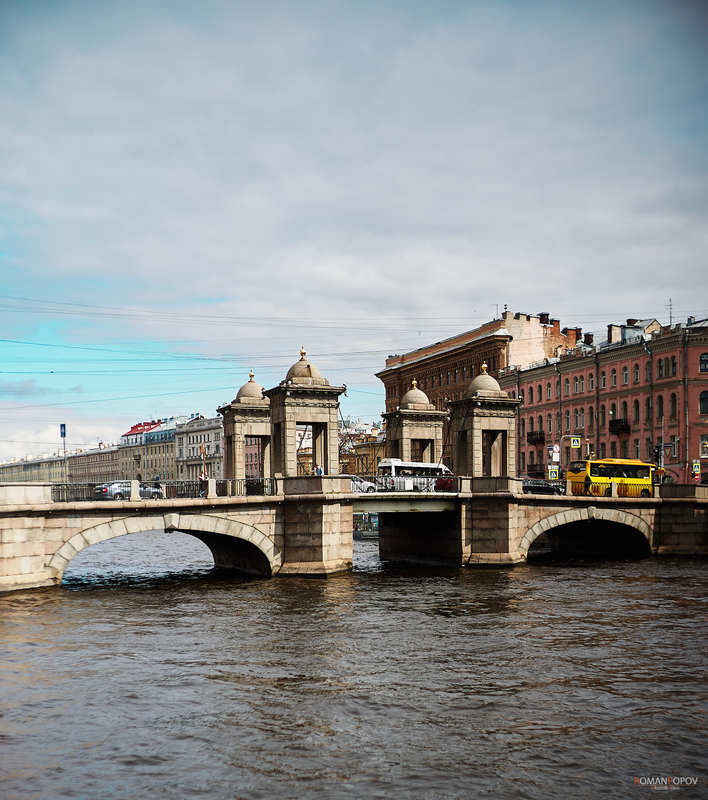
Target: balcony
[619, 426]
[536, 437]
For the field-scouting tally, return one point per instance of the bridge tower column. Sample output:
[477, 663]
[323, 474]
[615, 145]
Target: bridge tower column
[414, 431]
[318, 516]
[248, 415]
[483, 427]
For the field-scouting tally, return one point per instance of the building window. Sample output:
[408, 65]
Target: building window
[581, 384]
[603, 450]
[673, 406]
[603, 380]
[635, 413]
[601, 423]
[624, 449]
[575, 385]
[648, 371]
[636, 376]
[647, 410]
[566, 386]
[673, 366]
[625, 415]
[523, 462]
[539, 393]
[613, 377]
[613, 449]
[540, 422]
[576, 422]
[530, 424]
[523, 427]
[591, 418]
[530, 395]
[548, 390]
[531, 457]
[660, 407]
[613, 411]
[625, 376]
[637, 453]
[704, 445]
[591, 382]
[549, 423]
[567, 455]
[660, 368]
[704, 403]
[567, 420]
[704, 363]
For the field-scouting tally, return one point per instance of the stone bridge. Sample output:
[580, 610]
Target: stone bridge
[307, 529]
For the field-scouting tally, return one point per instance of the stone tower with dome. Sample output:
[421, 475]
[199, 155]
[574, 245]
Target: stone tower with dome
[248, 414]
[304, 397]
[414, 431]
[483, 430]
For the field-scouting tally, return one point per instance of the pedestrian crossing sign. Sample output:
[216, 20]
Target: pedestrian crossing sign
[552, 473]
[575, 441]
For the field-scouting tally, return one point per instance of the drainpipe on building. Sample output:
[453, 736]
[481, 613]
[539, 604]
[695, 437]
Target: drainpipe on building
[560, 416]
[518, 423]
[597, 404]
[651, 396]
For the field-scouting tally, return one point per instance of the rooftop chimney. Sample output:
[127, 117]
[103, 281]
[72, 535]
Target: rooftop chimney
[544, 317]
[588, 338]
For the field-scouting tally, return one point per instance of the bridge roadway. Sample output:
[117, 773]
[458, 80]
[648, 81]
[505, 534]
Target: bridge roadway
[307, 528]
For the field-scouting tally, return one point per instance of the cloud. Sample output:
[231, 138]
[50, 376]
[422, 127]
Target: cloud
[378, 174]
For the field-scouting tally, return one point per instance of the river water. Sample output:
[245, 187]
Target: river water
[147, 676]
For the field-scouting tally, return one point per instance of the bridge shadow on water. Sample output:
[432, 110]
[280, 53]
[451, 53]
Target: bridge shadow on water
[589, 540]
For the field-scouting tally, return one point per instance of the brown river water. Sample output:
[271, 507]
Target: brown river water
[146, 675]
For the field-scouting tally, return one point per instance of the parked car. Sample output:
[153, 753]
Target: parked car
[361, 485]
[446, 483]
[120, 490]
[542, 486]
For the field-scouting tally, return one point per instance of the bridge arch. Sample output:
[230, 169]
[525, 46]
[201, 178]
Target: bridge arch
[579, 515]
[234, 544]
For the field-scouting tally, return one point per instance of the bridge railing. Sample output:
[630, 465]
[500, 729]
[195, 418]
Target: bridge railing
[73, 492]
[601, 487]
[231, 487]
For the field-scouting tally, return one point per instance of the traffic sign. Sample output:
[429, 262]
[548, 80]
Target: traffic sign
[552, 473]
[62, 430]
[696, 467]
[556, 448]
[575, 441]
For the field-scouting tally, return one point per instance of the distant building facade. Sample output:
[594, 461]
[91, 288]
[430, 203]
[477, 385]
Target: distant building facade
[200, 443]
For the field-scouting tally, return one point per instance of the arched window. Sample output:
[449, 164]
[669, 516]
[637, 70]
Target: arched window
[549, 421]
[704, 402]
[530, 395]
[625, 375]
[624, 410]
[581, 419]
[673, 365]
[567, 419]
[591, 417]
[602, 417]
[523, 427]
[540, 422]
[539, 393]
[613, 377]
[576, 421]
[548, 391]
[660, 407]
[673, 406]
[531, 457]
[603, 380]
[613, 411]
[530, 423]
[704, 362]
[635, 371]
[591, 382]
[581, 384]
[660, 368]
[635, 412]
[566, 386]
[575, 385]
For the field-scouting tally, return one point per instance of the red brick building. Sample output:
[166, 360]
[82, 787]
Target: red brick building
[643, 388]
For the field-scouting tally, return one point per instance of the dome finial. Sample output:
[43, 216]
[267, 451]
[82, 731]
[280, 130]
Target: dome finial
[251, 376]
[484, 368]
[303, 352]
[414, 383]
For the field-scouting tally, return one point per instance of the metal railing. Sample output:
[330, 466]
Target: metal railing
[73, 492]
[607, 488]
[164, 490]
[369, 484]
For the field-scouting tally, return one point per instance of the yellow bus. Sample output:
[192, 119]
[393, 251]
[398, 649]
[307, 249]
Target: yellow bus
[595, 477]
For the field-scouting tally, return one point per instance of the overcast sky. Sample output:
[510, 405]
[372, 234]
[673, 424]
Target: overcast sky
[190, 190]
